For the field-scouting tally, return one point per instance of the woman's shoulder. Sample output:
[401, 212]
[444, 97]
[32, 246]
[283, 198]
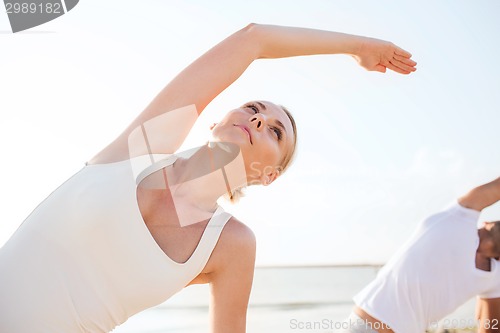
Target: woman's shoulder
[236, 246]
[235, 250]
[238, 234]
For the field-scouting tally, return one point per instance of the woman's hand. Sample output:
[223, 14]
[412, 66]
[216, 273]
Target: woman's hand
[378, 55]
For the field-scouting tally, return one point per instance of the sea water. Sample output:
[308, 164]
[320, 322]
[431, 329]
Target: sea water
[283, 299]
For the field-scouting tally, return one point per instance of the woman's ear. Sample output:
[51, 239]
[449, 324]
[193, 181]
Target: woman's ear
[270, 177]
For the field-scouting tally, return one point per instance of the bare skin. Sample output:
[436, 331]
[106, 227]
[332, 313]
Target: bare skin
[230, 268]
[384, 328]
[488, 315]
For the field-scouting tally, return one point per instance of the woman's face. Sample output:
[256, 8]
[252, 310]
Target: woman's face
[264, 134]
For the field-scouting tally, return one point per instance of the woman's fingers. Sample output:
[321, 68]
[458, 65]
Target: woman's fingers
[401, 62]
[402, 65]
[398, 69]
[399, 51]
[405, 60]
[379, 55]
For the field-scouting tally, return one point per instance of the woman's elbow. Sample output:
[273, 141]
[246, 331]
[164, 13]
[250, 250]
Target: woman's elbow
[251, 38]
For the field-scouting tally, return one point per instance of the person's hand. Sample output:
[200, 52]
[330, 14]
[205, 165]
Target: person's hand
[378, 55]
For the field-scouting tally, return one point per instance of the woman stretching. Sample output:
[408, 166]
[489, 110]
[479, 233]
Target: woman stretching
[140, 221]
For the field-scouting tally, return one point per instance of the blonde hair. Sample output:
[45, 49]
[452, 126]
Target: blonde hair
[289, 157]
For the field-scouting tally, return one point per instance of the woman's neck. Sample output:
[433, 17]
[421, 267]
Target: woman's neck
[200, 179]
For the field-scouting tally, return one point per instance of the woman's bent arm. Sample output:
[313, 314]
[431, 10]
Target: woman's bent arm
[199, 83]
[217, 69]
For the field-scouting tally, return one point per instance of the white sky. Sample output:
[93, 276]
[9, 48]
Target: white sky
[377, 152]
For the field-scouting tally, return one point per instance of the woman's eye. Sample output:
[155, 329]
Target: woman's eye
[278, 133]
[254, 108]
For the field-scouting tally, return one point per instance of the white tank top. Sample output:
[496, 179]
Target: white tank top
[84, 260]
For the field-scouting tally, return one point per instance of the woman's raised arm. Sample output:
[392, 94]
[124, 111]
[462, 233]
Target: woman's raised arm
[218, 68]
[199, 83]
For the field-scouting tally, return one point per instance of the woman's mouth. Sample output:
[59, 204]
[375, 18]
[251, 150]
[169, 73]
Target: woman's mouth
[247, 130]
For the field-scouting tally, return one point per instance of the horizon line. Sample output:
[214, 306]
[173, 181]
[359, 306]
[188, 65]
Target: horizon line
[344, 265]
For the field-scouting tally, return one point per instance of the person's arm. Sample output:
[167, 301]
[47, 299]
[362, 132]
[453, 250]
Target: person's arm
[198, 84]
[231, 280]
[482, 196]
[218, 68]
[488, 315]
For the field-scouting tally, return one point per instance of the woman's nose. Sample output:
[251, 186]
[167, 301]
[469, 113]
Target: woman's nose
[257, 121]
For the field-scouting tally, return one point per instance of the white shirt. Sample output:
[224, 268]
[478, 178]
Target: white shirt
[431, 275]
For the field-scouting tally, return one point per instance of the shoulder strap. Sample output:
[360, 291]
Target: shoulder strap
[165, 162]
[210, 238]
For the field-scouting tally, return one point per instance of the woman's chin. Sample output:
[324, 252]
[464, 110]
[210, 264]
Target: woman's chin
[238, 143]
